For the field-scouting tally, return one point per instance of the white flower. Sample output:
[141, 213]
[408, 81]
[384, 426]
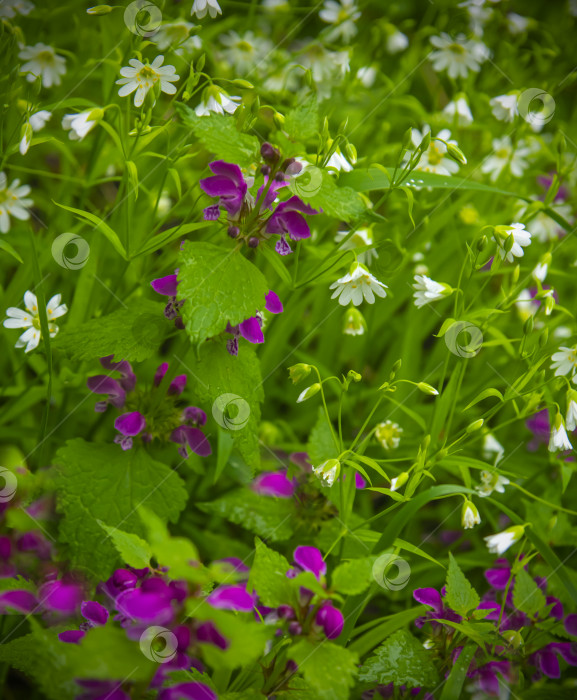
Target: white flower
[78, 124]
[339, 162]
[10, 8]
[461, 109]
[558, 439]
[427, 290]
[544, 228]
[457, 56]
[500, 543]
[216, 100]
[343, 15]
[435, 159]
[540, 272]
[526, 304]
[172, 34]
[201, 7]
[565, 361]
[328, 471]
[389, 434]
[13, 202]
[521, 239]
[36, 122]
[491, 481]
[516, 23]
[327, 67]
[245, 52]
[396, 41]
[41, 60]
[354, 322]
[361, 237]
[398, 481]
[367, 76]
[357, 284]
[469, 515]
[142, 77]
[492, 448]
[504, 107]
[29, 319]
[571, 418]
[504, 155]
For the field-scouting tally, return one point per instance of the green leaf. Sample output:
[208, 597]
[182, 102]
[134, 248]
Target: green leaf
[454, 683]
[133, 550]
[268, 576]
[329, 669]
[132, 178]
[134, 333]
[219, 286]
[374, 636]
[220, 136]
[119, 482]
[485, 395]
[223, 452]
[321, 445]
[302, 122]
[98, 225]
[527, 596]
[265, 516]
[460, 595]
[10, 250]
[165, 237]
[353, 576]
[401, 660]
[334, 200]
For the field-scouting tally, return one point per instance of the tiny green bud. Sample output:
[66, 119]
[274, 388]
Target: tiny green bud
[351, 153]
[514, 638]
[469, 515]
[425, 143]
[328, 471]
[482, 243]
[515, 273]
[544, 337]
[528, 326]
[99, 10]
[309, 392]
[200, 63]
[456, 153]
[242, 83]
[299, 372]
[427, 389]
[476, 425]
[278, 120]
[354, 376]
[407, 138]
[398, 481]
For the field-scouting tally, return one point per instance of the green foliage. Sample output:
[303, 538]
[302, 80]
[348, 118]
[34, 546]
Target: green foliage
[527, 596]
[133, 550]
[353, 577]
[340, 202]
[268, 576]
[321, 445]
[302, 122]
[460, 595]
[327, 668]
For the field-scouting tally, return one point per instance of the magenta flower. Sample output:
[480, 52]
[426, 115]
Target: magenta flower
[251, 328]
[310, 559]
[540, 426]
[167, 286]
[187, 691]
[288, 219]
[60, 597]
[129, 425]
[274, 484]
[231, 598]
[191, 438]
[331, 620]
[228, 185]
[207, 633]
[19, 601]
[95, 615]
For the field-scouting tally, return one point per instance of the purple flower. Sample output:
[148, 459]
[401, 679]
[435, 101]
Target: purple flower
[127, 376]
[195, 415]
[571, 624]
[147, 606]
[177, 385]
[187, 691]
[498, 577]
[282, 246]
[60, 597]
[331, 620]
[487, 675]
[274, 484]
[272, 190]
[211, 213]
[165, 285]
[310, 559]
[71, 636]
[288, 219]
[227, 184]
[94, 613]
[251, 328]
[101, 384]
[191, 438]
[20, 601]
[207, 633]
[231, 598]
[540, 426]
[129, 425]
[273, 303]
[432, 598]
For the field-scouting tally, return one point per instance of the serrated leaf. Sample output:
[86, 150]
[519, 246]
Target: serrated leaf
[119, 482]
[221, 137]
[335, 200]
[401, 660]
[321, 446]
[460, 595]
[302, 122]
[268, 576]
[329, 669]
[218, 286]
[133, 334]
[353, 576]
[133, 550]
[267, 517]
[527, 596]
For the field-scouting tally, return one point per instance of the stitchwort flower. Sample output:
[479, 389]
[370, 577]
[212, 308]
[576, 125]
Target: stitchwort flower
[30, 319]
[141, 77]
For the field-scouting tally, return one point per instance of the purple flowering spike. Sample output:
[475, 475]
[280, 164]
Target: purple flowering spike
[177, 385]
[130, 424]
[142, 606]
[231, 598]
[206, 632]
[160, 372]
[102, 384]
[211, 213]
[498, 578]
[571, 624]
[61, 597]
[194, 415]
[227, 184]
[251, 330]
[187, 691]
[193, 437]
[282, 246]
[557, 609]
[547, 662]
[165, 285]
[271, 194]
[94, 612]
[273, 303]
[127, 376]
[71, 636]
[310, 559]
[331, 620]
[20, 601]
[429, 596]
[274, 484]
[288, 218]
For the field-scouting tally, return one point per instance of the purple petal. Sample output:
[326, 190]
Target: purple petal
[211, 213]
[568, 651]
[19, 601]
[295, 204]
[282, 247]
[194, 415]
[251, 330]
[177, 385]
[160, 372]
[94, 612]
[296, 226]
[498, 578]
[274, 484]
[194, 438]
[146, 607]
[232, 346]
[490, 605]
[234, 563]
[231, 598]
[206, 632]
[101, 384]
[71, 636]
[228, 170]
[360, 483]
[271, 194]
[548, 663]
[310, 559]
[130, 424]
[128, 378]
[488, 681]
[187, 691]
[61, 597]
[331, 620]
[273, 303]
[165, 285]
[429, 596]
[557, 609]
[571, 624]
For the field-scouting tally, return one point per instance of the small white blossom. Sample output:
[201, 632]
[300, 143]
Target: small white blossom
[571, 418]
[354, 322]
[361, 237]
[343, 15]
[245, 52]
[435, 158]
[172, 34]
[457, 56]
[504, 107]
[389, 434]
[10, 8]
[492, 448]
[521, 239]
[558, 439]
[42, 61]
[544, 228]
[540, 272]
[396, 41]
[461, 109]
[78, 124]
[339, 162]
[216, 100]
[516, 23]
[367, 76]
[29, 319]
[141, 77]
[469, 515]
[398, 481]
[356, 285]
[328, 471]
[201, 7]
[565, 362]
[427, 290]
[36, 122]
[491, 481]
[500, 543]
[13, 202]
[505, 156]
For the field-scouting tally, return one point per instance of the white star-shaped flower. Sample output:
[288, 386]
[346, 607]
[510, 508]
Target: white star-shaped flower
[356, 285]
[141, 77]
[29, 319]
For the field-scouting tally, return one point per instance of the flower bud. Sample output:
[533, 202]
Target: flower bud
[544, 337]
[528, 326]
[482, 243]
[427, 389]
[354, 322]
[233, 231]
[253, 242]
[476, 425]
[515, 273]
[269, 153]
[456, 153]
[514, 638]
[99, 10]
[278, 120]
[426, 141]
[200, 63]
[328, 471]
[469, 515]
[299, 372]
[354, 376]
[309, 392]
[351, 153]
[398, 481]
